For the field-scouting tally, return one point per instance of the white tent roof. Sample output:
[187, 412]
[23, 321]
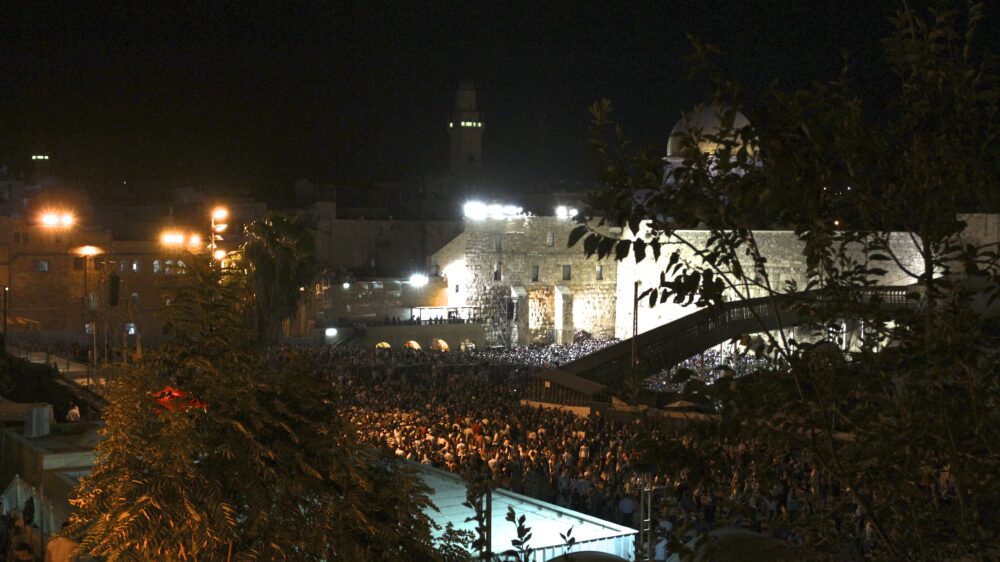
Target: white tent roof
[546, 520]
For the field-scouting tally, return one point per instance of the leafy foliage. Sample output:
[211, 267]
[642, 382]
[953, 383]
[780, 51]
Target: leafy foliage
[280, 255]
[901, 417]
[260, 467]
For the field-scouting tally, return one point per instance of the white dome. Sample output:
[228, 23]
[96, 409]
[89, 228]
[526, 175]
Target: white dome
[704, 118]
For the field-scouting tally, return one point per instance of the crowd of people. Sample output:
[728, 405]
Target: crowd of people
[462, 412]
[709, 366]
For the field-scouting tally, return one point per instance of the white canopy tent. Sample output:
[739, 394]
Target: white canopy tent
[546, 520]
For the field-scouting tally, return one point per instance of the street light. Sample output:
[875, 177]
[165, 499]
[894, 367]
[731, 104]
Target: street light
[87, 252]
[177, 239]
[219, 214]
[57, 219]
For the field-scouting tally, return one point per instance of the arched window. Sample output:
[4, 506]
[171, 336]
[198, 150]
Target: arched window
[169, 269]
[550, 239]
[157, 267]
[181, 267]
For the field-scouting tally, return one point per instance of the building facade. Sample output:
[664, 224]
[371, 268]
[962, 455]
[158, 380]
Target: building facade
[529, 287]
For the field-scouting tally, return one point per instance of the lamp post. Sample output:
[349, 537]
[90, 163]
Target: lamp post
[219, 215]
[3, 344]
[87, 252]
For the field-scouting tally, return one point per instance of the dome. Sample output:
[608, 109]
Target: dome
[704, 118]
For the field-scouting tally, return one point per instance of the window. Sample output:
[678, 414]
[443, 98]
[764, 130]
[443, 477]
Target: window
[567, 272]
[181, 267]
[24, 237]
[122, 266]
[17, 237]
[135, 298]
[498, 243]
[79, 264]
[600, 273]
[156, 266]
[135, 266]
[550, 239]
[534, 274]
[41, 265]
[458, 288]
[498, 272]
[130, 329]
[169, 267]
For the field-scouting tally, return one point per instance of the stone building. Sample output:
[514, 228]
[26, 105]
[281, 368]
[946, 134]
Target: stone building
[528, 286]
[785, 263]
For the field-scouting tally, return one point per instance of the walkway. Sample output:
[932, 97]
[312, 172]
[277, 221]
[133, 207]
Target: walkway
[82, 380]
[669, 344]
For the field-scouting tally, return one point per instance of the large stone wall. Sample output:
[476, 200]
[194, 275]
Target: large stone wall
[557, 308]
[785, 262]
[517, 245]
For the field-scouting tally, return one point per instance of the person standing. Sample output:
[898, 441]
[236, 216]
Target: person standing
[660, 548]
[61, 548]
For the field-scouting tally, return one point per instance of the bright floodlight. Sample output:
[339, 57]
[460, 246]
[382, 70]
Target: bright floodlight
[220, 213]
[330, 332]
[53, 219]
[565, 212]
[219, 254]
[89, 251]
[418, 280]
[346, 285]
[172, 238]
[475, 210]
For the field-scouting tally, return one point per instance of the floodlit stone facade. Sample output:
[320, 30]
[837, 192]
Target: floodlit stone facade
[785, 263]
[530, 286]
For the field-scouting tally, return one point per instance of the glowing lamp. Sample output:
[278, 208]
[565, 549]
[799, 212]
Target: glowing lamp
[331, 332]
[220, 213]
[172, 238]
[219, 254]
[89, 251]
[346, 285]
[418, 280]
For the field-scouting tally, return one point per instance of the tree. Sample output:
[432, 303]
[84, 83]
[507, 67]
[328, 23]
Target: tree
[217, 449]
[901, 418]
[281, 257]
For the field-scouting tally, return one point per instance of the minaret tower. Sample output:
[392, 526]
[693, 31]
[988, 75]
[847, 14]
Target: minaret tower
[466, 130]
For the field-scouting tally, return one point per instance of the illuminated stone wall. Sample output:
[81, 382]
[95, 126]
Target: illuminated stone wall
[516, 246]
[785, 262]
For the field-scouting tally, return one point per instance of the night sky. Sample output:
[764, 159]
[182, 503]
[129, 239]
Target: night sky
[347, 92]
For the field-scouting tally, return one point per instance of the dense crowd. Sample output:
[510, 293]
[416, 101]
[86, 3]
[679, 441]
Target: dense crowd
[709, 366]
[461, 412]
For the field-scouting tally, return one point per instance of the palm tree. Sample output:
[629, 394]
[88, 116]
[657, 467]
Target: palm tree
[280, 252]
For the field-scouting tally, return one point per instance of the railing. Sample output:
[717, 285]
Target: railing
[667, 345]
